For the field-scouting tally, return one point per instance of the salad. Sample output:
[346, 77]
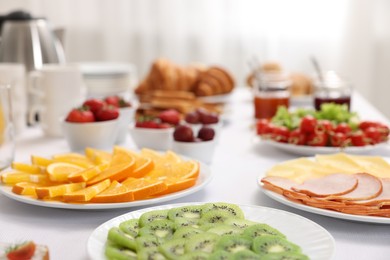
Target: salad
[334, 125]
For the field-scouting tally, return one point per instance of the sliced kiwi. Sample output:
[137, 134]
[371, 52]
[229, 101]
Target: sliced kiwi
[114, 252]
[146, 242]
[273, 244]
[240, 223]
[234, 243]
[186, 232]
[188, 212]
[195, 256]
[262, 230]
[130, 227]
[162, 229]
[172, 249]
[204, 242]
[213, 217]
[150, 254]
[121, 238]
[232, 209]
[285, 256]
[184, 222]
[220, 255]
[246, 255]
[222, 230]
[151, 216]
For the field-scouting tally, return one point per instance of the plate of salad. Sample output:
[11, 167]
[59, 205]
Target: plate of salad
[332, 129]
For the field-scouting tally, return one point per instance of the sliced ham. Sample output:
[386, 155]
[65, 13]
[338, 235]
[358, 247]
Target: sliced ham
[330, 185]
[277, 184]
[368, 187]
[382, 199]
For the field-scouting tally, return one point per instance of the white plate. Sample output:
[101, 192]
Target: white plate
[203, 179]
[312, 150]
[325, 212]
[314, 240]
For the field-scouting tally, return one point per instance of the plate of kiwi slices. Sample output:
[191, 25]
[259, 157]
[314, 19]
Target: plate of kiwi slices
[214, 230]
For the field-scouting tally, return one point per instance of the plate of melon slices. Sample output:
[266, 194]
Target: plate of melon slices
[205, 230]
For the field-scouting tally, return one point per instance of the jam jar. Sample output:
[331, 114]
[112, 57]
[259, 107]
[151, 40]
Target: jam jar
[331, 88]
[271, 90]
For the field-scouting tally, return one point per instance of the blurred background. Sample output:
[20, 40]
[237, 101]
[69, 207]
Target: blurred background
[349, 36]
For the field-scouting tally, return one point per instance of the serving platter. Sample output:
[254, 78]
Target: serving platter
[314, 240]
[305, 150]
[205, 176]
[325, 212]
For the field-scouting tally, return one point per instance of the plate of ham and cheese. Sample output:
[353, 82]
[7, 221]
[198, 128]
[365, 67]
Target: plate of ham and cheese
[344, 186]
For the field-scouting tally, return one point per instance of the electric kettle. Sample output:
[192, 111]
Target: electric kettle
[28, 40]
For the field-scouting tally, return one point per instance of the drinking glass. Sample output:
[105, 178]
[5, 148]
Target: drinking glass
[7, 144]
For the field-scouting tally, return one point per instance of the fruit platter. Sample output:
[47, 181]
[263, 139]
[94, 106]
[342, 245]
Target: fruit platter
[343, 186]
[207, 230]
[329, 130]
[104, 180]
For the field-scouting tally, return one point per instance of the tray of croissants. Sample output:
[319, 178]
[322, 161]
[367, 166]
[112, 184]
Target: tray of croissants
[184, 88]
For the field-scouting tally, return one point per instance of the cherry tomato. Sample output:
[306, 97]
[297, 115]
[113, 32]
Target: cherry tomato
[339, 139]
[384, 130]
[262, 127]
[366, 124]
[343, 128]
[280, 134]
[80, 115]
[107, 113]
[317, 139]
[324, 126]
[358, 138]
[94, 104]
[297, 137]
[308, 124]
[22, 252]
[373, 134]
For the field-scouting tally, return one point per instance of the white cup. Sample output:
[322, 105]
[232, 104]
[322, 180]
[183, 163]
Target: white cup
[57, 89]
[14, 75]
[7, 144]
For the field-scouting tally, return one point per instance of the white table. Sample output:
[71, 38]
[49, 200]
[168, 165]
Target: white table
[236, 165]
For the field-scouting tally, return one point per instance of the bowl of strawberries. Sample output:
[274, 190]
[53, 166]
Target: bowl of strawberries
[155, 132]
[94, 124]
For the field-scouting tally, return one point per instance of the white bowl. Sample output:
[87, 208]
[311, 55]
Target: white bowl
[157, 139]
[202, 151]
[100, 135]
[126, 117]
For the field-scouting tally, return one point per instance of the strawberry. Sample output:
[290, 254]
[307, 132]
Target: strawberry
[117, 101]
[107, 113]
[170, 116]
[80, 115]
[21, 252]
[94, 104]
[147, 124]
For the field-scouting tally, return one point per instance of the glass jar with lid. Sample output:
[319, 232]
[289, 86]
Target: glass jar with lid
[332, 88]
[271, 90]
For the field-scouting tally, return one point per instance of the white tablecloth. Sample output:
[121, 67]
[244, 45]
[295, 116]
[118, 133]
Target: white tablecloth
[236, 166]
